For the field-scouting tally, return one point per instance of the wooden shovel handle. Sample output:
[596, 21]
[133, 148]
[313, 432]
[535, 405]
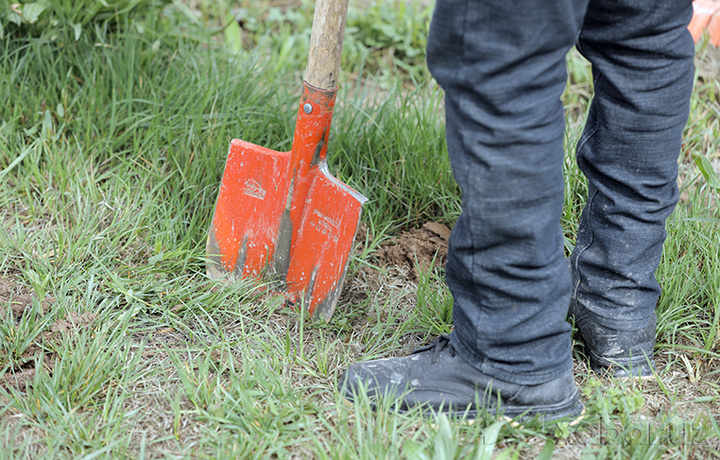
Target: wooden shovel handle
[326, 42]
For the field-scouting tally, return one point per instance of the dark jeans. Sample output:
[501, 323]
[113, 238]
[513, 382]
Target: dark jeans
[502, 66]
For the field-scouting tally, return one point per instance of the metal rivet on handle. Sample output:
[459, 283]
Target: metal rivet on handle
[307, 107]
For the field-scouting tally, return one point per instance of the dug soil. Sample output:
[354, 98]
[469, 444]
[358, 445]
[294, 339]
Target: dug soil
[418, 249]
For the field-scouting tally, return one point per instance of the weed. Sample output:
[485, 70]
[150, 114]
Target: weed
[434, 304]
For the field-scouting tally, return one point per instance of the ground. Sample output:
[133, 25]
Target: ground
[185, 351]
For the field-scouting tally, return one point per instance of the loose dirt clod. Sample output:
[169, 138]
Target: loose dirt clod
[419, 249]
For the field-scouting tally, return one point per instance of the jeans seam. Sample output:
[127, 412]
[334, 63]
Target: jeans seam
[588, 208]
[581, 250]
[463, 94]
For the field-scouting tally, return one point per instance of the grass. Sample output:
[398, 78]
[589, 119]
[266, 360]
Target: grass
[113, 343]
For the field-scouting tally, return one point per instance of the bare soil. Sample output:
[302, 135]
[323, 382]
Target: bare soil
[416, 249]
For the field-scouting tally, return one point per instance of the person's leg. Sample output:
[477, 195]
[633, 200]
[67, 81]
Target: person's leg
[642, 62]
[502, 66]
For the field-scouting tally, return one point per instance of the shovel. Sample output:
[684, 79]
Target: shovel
[281, 216]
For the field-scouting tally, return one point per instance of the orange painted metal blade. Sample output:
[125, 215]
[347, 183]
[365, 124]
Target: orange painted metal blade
[323, 241]
[282, 217]
[252, 198]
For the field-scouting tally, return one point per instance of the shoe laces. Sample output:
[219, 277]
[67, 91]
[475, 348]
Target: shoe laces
[437, 346]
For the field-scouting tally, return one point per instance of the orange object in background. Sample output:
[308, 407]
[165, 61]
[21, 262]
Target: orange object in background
[706, 16]
[713, 28]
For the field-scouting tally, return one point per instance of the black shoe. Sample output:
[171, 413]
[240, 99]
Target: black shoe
[619, 354]
[438, 379]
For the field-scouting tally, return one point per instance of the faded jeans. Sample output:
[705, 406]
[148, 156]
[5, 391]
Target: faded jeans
[501, 64]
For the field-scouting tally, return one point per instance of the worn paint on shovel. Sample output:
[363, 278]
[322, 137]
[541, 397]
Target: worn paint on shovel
[282, 217]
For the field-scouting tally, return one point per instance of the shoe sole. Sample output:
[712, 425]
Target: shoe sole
[571, 408]
[641, 369]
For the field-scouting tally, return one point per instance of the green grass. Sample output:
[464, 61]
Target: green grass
[111, 152]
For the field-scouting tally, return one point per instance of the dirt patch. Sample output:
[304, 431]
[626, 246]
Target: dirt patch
[17, 298]
[418, 249]
[72, 322]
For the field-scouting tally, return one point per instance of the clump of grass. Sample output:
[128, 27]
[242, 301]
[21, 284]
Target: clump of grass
[17, 336]
[393, 149]
[434, 304]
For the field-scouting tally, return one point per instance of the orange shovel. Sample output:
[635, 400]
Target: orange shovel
[281, 216]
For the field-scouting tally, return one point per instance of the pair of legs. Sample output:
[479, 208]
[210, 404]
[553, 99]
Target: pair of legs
[502, 66]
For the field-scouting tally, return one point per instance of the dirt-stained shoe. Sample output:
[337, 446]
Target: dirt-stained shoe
[619, 354]
[438, 379]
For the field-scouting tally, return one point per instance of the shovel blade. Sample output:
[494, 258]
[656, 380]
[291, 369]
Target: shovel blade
[253, 194]
[322, 242]
[282, 217]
